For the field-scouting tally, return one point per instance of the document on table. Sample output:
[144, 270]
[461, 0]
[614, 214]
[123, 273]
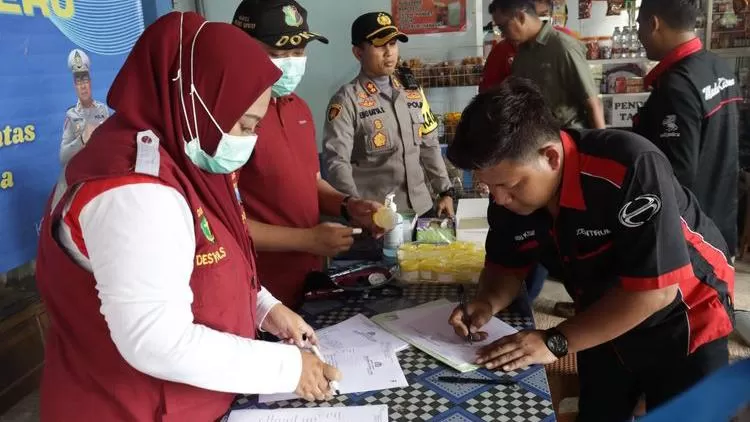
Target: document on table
[368, 368]
[357, 331]
[377, 413]
[427, 328]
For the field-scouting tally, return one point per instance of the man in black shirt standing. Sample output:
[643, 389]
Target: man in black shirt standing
[692, 113]
[646, 268]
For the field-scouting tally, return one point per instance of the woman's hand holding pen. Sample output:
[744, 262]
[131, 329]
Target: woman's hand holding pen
[314, 384]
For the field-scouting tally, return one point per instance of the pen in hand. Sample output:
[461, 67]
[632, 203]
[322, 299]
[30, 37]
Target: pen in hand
[316, 351]
[466, 318]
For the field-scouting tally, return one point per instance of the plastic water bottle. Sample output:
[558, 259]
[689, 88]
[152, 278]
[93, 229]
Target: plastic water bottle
[635, 43]
[617, 43]
[391, 221]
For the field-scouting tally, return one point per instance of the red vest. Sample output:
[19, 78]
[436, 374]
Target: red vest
[85, 377]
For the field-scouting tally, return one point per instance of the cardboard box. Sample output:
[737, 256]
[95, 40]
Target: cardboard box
[471, 220]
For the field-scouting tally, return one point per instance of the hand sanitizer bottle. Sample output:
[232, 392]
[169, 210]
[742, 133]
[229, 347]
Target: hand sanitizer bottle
[391, 221]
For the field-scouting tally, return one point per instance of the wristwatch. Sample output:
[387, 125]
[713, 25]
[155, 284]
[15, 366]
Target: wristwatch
[450, 192]
[556, 342]
[343, 210]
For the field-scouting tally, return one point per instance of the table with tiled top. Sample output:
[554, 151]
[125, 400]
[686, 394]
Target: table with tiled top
[427, 398]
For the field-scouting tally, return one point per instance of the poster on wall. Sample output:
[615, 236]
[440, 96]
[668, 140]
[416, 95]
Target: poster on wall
[64, 56]
[429, 16]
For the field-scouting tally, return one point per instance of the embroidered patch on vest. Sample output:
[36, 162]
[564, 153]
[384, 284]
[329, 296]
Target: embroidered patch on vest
[147, 159]
[205, 228]
[210, 258]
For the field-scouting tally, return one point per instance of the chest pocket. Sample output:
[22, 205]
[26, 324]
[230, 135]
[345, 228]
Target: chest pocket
[375, 123]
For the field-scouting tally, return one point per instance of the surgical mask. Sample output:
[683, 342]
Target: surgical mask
[232, 151]
[293, 69]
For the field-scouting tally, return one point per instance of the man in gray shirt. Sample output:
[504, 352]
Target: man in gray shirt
[554, 61]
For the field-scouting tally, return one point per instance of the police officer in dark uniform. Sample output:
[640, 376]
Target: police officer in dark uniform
[692, 114]
[380, 135]
[648, 271]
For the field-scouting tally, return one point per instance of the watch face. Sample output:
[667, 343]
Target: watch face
[557, 344]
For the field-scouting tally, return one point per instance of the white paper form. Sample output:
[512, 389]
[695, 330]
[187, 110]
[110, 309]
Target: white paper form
[357, 331]
[376, 413]
[427, 328]
[369, 368]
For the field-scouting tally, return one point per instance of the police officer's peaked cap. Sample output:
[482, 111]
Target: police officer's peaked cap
[377, 28]
[78, 61]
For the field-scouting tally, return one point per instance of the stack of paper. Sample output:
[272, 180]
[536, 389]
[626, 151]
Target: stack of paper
[427, 328]
[378, 413]
[363, 369]
[357, 331]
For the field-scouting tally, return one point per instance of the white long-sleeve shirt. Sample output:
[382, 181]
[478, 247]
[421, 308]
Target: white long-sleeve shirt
[140, 243]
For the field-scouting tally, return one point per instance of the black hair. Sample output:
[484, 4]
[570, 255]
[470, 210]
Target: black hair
[677, 14]
[508, 6]
[509, 122]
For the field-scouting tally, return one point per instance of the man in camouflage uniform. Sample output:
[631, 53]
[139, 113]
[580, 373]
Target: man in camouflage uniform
[380, 136]
[86, 115]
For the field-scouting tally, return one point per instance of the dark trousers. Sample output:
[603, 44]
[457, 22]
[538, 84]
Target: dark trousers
[610, 389]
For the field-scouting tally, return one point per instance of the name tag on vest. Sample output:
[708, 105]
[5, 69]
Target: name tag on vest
[210, 258]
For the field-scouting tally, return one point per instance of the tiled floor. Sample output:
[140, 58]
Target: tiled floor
[28, 409]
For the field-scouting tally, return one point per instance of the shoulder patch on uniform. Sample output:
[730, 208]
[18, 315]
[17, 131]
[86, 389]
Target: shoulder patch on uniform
[147, 160]
[334, 110]
[371, 87]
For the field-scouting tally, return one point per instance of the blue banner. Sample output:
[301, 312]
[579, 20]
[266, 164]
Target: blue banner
[43, 82]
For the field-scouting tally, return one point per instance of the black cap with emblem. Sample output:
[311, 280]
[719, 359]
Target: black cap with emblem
[280, 24]
[376, 28]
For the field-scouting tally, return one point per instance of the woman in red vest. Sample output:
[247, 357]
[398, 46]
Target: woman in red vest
[145, 264]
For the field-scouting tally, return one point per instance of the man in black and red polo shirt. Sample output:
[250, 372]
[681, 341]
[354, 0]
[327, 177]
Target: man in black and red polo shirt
[692, 113]
[646, 268]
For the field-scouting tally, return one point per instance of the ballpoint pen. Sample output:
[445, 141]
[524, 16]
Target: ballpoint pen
[486, 381]
[466, 318]
[316, 351]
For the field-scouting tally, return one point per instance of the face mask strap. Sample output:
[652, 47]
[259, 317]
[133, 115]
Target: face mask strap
[179, 80]
[193, 91]
[207, 111]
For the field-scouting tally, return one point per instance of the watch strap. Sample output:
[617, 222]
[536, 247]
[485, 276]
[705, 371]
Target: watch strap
[343, 209]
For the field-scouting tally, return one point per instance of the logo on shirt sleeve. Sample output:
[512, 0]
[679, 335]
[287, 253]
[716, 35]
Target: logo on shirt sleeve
[671, 130]
[639, 211]
[333, 112]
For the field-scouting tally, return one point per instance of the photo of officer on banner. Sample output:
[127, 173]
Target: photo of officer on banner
[87, 114]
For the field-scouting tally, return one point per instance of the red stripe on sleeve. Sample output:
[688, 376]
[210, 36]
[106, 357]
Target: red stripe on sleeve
[655, 283]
